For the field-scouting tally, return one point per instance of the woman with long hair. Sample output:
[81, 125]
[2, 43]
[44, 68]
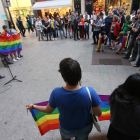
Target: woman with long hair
[125, 110]
[73, 103]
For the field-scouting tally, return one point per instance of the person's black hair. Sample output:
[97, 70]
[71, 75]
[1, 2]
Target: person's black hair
[128, 17]
[71, 71]
[138, 13]
[85, 10]
[136, 18]
[4, 26]
[133, 11]
[123, 17]
[101, 14]
[115, 12]
[127, 92]
[102, 33]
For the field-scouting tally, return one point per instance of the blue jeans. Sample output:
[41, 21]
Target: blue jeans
[48, 34]
[36, 32]
[67, 31]
[138, 61]
[81, 134]
[109, 36]
[61, 33]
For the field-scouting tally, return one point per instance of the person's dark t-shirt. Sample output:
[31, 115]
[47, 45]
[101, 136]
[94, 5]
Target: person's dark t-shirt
[135, 34]
[60, 26]
[46, 24]
[103, 40]
[66, 21]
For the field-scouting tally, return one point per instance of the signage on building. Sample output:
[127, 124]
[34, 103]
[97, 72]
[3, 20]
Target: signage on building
[89, 6]
[4, 17]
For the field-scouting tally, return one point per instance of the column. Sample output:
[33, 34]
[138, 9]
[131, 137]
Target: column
[82, 6]
[3, 20]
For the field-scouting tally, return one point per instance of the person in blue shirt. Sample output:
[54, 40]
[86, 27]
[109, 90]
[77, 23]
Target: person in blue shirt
[73, 103]
[108, 21]
[77, 18]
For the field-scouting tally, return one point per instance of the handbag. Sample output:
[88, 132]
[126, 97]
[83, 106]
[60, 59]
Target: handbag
[95, 119]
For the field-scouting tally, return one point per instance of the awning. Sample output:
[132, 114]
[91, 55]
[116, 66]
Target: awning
[51, 4]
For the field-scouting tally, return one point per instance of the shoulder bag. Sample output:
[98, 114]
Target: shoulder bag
[95, 119]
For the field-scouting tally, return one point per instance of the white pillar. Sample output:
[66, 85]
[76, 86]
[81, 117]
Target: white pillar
[82, 6]
[2, 13]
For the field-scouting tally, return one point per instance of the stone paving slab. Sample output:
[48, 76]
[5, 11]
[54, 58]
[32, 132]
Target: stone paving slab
[38, 70]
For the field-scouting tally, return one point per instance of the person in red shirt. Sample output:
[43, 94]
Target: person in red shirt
[114, 30]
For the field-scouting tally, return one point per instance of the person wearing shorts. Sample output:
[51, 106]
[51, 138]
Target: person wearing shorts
[73, 103]
[115, 27]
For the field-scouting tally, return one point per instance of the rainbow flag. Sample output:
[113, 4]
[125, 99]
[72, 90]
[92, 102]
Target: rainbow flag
[46, 122]
[10, 44]
[99, 44]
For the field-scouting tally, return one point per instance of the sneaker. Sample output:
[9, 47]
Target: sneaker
[131, 60]
[17, 58]
[125, 57]
[55, 38]
[20, 56]
[14, 60]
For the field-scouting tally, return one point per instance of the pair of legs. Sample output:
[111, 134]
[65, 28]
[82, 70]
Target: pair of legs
[30, 28]
[81, 134]
[48, 35]
[23, 31]
[120, 48]
[68, 32]
[86, 32]
[138, 60]
[4, 59]
[39, 33]
[53, 33]
[72, 30]
[109, 36]
[132, 45]
[96, 37]
[81, 29]
[76, 33]
[61, 33]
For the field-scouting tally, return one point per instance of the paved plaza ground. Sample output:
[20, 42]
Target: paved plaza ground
[38, 70]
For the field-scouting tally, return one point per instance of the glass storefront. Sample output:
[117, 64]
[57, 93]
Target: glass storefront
[60, 11]
[20, 8]
[99, 5]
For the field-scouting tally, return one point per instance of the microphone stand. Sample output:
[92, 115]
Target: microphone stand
[13, 77]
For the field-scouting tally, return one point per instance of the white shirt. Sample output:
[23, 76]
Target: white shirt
[131, 16]
[95, 17]
[38, 25]
[85, 16]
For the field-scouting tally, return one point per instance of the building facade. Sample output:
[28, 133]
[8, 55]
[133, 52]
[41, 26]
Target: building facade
[3, 17]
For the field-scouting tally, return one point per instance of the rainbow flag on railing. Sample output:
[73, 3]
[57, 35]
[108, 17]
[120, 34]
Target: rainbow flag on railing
[10, 44]
[46, 122]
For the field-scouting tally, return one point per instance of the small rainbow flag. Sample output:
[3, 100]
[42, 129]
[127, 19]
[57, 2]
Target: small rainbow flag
[46, 122]
[10, 44]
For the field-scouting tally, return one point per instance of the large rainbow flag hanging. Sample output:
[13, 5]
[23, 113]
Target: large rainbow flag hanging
[10, 44]
[46, 122]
